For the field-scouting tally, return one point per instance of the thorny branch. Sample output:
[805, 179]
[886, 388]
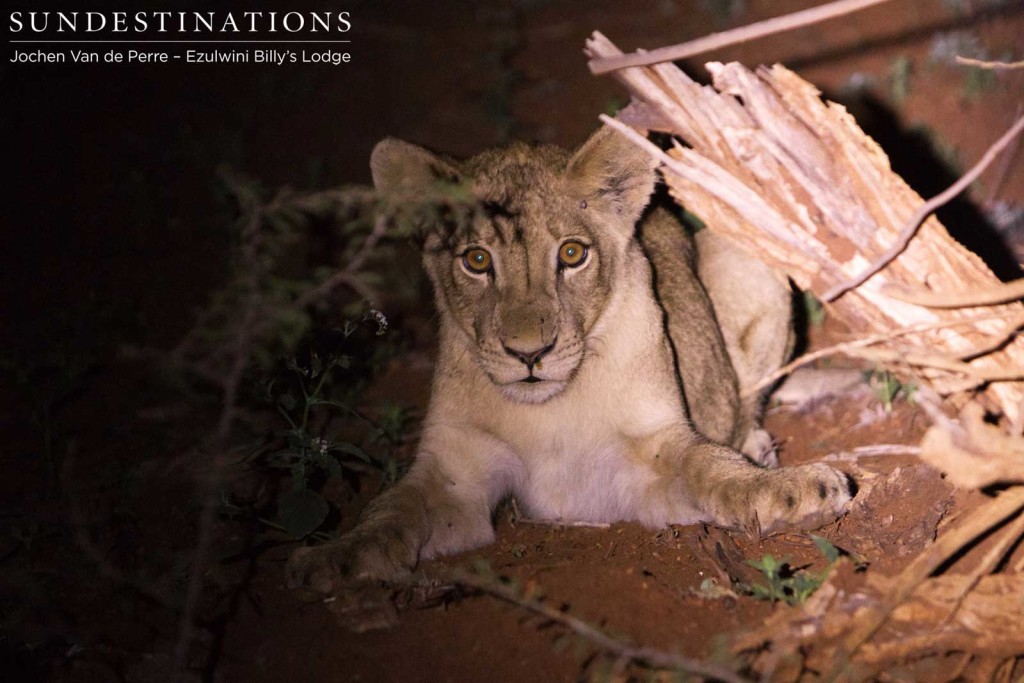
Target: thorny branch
[651, 657]
[241, 351]
[257, 320]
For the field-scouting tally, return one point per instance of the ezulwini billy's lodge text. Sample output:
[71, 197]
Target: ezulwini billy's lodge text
[190, 56]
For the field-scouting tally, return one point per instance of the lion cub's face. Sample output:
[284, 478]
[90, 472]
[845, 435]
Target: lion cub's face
[528, 275]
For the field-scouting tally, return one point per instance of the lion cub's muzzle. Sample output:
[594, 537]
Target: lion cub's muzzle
[531, 358]
[530, 368]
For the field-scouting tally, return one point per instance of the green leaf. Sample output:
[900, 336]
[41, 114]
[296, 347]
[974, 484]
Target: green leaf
[329, 463]
[826, 548]
[351, 449]
[301, 511]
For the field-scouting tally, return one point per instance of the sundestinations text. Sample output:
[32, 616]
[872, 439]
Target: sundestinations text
[180, 22]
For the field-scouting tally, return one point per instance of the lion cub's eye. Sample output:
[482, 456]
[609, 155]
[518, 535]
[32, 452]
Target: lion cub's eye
[572, 254]
[477, 260]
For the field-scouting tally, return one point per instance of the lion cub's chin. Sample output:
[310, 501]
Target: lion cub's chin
[532, 392]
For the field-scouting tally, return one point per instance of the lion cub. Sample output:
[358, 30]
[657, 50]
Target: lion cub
[582, 350]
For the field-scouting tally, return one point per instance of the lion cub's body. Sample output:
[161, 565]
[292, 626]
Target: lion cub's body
[557, 381]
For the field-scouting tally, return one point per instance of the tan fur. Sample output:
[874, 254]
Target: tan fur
[602, 434]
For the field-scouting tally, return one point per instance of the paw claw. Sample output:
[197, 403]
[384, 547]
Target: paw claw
[355, 557]
[803, 498]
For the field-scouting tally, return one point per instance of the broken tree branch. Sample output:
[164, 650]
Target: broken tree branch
[742, 34]
[926, 209]
[1008, 503]
[769, 165]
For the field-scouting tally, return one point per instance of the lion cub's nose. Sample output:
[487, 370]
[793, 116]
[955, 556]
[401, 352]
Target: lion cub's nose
[529, 358]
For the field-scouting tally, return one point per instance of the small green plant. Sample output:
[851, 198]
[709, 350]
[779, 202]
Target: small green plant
[813, 310]
[391, 431]
[977, 82]
[792, 585]
[900, 71]
[946, 47]
[615, 105]
[888, 388]
[710, 589]
[316, 394]
[724, 11]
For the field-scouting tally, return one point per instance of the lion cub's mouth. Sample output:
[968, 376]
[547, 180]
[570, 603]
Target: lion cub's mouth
[531, 380]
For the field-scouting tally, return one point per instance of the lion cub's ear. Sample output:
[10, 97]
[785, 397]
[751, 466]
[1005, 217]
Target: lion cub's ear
[611, 167]
[398, 166]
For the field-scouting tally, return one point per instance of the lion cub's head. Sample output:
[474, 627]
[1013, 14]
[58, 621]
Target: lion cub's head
[527, 276]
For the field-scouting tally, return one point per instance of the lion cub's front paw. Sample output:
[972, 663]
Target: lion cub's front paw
[360, 555]
[801, 498]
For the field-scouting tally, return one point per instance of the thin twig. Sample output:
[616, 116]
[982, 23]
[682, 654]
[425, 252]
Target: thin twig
[156, 590]
[380, 228]
[925, 210]
[988, 563]
[1003, 172]
[1000, 294]
[563, 523]
[878, 450]
[981, 64]
[742, 34]
[996, 342]
[658, 659]
[1007, 503]
[348, 275]
[850, 346]
[240, 357]
[922, 359]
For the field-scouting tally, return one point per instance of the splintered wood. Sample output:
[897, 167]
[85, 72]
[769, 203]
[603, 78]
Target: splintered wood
[797, 182]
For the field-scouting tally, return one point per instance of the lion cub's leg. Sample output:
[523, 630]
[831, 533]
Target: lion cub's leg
[753, 306]
[436, 508]
[701, 481]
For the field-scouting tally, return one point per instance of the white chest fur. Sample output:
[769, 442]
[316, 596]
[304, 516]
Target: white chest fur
[580, 455]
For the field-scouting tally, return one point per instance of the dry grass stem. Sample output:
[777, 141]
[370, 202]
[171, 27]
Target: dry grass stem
[983, 64]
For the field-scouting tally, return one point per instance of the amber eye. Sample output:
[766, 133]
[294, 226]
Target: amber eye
[572, 254]
[477, 260]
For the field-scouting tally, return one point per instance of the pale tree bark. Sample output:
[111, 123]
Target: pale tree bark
[796, 181]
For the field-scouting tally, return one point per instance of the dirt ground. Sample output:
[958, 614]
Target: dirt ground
[114, 243]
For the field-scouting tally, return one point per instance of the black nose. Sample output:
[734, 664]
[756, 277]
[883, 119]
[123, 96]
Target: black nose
[529, 358]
